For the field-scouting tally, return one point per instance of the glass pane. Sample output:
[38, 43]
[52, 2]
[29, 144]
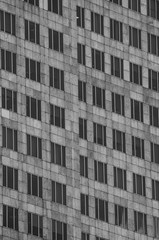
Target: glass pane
[8, 22]
[58, 154]
[8, 61]
[34, 185]
[59, 193]
[56, 40]
[10, 217]
[35, 224]
[9, 99]
[32, 70]
[57, 116]
[9, 138]
[10, 177]
[59, 231]
[33, 108]
[32, 31]
[100, 172]
[34, 146]
[56, 78]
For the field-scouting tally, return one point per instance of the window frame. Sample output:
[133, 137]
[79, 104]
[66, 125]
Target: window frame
[82, 91]
[117, 67]
[30, 187]
[80, 16]
[58, 75]
[137, 7]
[98, 216]
[124, 218]
[28, 31]
[83, 166]
[135, 79]
[30, 141]
[54, 154]
[135, 146]
[97, 20]
[4, 20]
[117, 98]
[137, 112]
[144, 222]
[60, 225]
[31, 218]
[96, 131]
[84, 204]
[58, 4]
[98, 93]
[8, 61]
[62, 194]
[13, 218]
[5, 138]
[98, 174]
[98, 65]
[114, 25]
[120, 178]
[135, 37]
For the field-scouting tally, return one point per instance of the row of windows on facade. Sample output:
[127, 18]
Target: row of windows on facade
[59, 229]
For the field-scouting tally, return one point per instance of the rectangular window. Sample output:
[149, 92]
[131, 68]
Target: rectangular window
[153, 8]
[156, 227]
[84, 204]
[139, 184]
[97, 23]
[55, 6]
[33, 108]
[153, 44]
[135, 37]
[84, 236]
[98, 60]
[101, 209]
[8, 61]
[33, 2]
[99, 238]
[138, 147]
[57, 116]
[118, 104]
[7, 22]
[34, 184]
[32, 69]
[10, 177]
[80, 17]
[117, 2]
[120, 178]
[135, 74]
[35, 224]
[100, 172]
[58, 154]
[10, 217]
[155, 190]
[117, 67]
[153, 78]
[136, 110]
[56, 78]
[140, 222]
[81, 91]
[154, 153]
[81, 53]
[116, 30]
[59, 230]
[9, 138]
[34, 146]
[135, 5]
[9, 99]
[98, 97]
[56, 40]
[121, 216]
[58, 193]
[83, 128]
[99, 134]
[154, 116]
[119, 140]
[83, 166]
[32, 32]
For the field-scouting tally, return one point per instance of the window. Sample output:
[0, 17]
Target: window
[7, 22]
[101, 209]
[135, 74]
[98, 97]
[33, 2]
[55, 6]
[117, 67]
[56, 40]
[97, 23]
[83, 128]
[99, 238]
[119, 140]
[33, 108]
[84, 236]
[153, 8]
[10, 177]
[136, 110]
[154, 118]
[121, 216]
[154, 153]
[80, 17]
[10, 217]
[35, 225]
[81, 91]
[139, 184]
[9, 138]
[98, 60]
[32, 32]
[116, 30]
[153, 44]
[59, 230]
[83, 166]
[100, 172]
[117, 2]
[153, 77]
[32, 69]
[58, 154]
[84, 205]
[99, 134]
[140, 222]
[120, 178]
[34, 146]
[156, 227]
[118, 104]
[34, 184]
[81, 53]
[135, 5]
[138, 147]
[56, 78]
[57, 116]
[58, 193]
[155, 190]
[135, 37]
[9, 99]
[8, 61]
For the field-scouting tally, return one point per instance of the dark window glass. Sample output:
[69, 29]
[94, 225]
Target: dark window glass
[139, 184]
[155, 190]
[81, 53]
[32, 32]
[57, 116]
[116, 30]
[9, 100]
[34, 147]
[35, 225]
[98, 60]
[98, 97]
[140, 220]
[80, 17]
[118, 104]
[84, 204]
[10, 217]
[58, 154]
[137, 110]
[119, 140]
[135, 73]
[100, 172]
[33, 108]
[135, 5]
[59, 230]
[153, 8]
[101, 209]
[138, 147]
[56, 40]
[7, 22]
[83, 166]
[81, 91]
[10, 177]
[58, 193]
[121, 216]
[56, 78]
[55, 6]
[99, 134]
[83, 128]
[8, 61]
[134, 37]
[9, 138]
[120, 178]
[33, 2]
[97, 23]
[117, 2]
[117, 67]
